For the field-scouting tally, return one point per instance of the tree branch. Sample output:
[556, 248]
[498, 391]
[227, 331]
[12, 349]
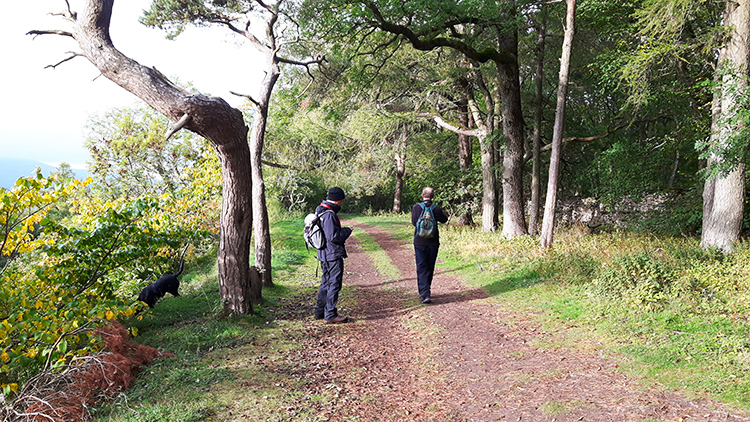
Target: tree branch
[288, 167]
[483, 56]
[71, 57]
[250, 98]
[177, 126]
[36, 33]
[445, 125]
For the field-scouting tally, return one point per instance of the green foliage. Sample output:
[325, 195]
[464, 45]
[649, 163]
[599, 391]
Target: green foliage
[23, 207]
[639, 280]
[130, 155]
[77, 277]
[730, 145]
[223, 360]
[175, 15]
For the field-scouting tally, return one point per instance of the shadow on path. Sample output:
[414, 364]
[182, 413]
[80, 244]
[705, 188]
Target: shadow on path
[497, 364]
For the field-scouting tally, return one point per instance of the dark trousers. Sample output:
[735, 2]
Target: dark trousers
[330, 286]
[426, 255]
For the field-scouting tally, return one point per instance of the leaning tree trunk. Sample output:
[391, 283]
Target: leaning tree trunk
[260, 209]
[400, 157]
[537, 137]
[724, 197]
[211, 117]
[548, 224]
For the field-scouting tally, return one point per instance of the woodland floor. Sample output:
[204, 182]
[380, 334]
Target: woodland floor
[463, 358]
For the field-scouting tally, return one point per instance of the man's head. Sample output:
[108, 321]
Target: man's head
[428, 193]
[336, 195]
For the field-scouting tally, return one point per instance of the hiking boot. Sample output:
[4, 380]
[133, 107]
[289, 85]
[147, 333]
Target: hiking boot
[337, 320]
[318, 316]
[426, 300]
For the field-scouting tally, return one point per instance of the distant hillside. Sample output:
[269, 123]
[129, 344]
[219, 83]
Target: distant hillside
[13, 168]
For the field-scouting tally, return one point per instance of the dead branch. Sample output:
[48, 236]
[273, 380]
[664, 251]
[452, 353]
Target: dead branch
[36, 33]
[71, 57]
[177, 126]
[249, 97]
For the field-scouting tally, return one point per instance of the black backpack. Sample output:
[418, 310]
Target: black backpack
[426, 223]
[314, 236]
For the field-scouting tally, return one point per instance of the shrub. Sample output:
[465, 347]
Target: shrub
[640, 280]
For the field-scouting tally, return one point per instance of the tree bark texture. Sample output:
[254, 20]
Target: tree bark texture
[210, 117]
[489, 184]
[465, 152]
[514, 218]
[257, 140]
[400, 156]
[537, 136]
[548, 224]
[724, 197]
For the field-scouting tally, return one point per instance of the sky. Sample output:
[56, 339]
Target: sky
[44, 111]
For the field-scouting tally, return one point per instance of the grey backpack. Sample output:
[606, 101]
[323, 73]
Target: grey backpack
[314, 236]
[426, 223]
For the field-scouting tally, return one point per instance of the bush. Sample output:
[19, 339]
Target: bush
[640, 280]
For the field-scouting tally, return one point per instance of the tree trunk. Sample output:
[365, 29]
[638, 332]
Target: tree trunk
[400, 156]
[489, 184]
[514, 219]
[211, 117]
[257, 140]
[724, 197]
[548, 224]
[465, 152]
[537, 137]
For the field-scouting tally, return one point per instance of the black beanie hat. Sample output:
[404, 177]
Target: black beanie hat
[335, 194]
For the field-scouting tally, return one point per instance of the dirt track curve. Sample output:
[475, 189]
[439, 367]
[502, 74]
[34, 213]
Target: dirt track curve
[464, 358]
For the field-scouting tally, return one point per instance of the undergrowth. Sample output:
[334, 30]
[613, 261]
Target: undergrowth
[226, 368]
[678, 313]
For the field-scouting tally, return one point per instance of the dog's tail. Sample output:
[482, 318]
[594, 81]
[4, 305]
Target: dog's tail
[182, 261]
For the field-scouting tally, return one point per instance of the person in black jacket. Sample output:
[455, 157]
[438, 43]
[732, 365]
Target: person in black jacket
[426, 250]
[331, 257]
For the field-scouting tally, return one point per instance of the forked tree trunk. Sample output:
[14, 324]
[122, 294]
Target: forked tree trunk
[724, 196]
[211, 117]
[548, 224]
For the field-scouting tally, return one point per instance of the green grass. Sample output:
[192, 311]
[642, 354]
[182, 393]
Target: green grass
[676, 335]
[692, 336]
[379, 257]
[225, 368]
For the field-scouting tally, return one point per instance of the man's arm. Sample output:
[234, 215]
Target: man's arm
[333, 231]
[440, 215]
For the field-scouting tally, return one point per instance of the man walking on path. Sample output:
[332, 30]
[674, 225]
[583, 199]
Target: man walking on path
[331, 257]
[426, 248]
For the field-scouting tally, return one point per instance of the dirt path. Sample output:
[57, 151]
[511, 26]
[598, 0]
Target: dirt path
[464, 358]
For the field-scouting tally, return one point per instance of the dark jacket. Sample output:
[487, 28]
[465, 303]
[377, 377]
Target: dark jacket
[439, 215]
[335, 234]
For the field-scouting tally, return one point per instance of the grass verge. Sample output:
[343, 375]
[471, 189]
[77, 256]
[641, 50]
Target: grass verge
[228, 369]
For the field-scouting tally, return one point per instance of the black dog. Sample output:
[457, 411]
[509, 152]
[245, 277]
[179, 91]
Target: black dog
[166, 284]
